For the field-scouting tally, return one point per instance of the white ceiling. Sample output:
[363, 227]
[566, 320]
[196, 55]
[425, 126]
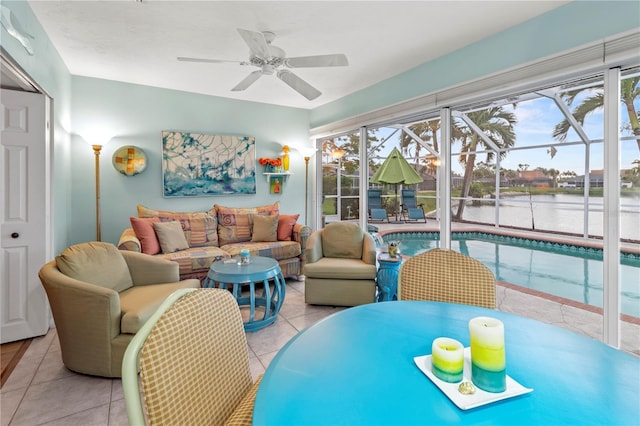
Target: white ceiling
[138, 42]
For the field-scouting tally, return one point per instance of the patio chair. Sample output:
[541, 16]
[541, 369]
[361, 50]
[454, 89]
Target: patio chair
[447, 276]
[376, 211]
[411, 211]
[193, 361]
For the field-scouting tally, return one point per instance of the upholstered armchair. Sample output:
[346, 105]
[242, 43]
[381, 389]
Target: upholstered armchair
[341, 266]
[100, 297]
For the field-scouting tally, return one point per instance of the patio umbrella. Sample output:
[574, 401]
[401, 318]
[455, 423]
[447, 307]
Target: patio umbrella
[394, 170]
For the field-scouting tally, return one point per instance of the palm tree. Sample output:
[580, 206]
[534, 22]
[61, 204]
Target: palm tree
[425, 130]
[497, 124]
[554, 173]
[629, 92]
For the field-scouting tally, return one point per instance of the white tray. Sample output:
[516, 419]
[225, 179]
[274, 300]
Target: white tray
[477, 399]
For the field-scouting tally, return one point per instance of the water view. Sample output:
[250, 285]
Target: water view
[569, 272]
[565, 215]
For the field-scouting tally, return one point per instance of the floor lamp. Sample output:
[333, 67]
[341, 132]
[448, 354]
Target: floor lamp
[96, 152]
[97, 138]
[307, 153]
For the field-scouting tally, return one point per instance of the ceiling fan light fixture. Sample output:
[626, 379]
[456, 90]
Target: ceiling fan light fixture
[268, 69]
[270, 59]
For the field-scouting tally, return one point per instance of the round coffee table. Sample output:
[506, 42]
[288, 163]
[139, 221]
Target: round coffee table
[263, 273]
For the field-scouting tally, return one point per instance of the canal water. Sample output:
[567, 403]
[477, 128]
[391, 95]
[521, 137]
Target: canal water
[565, 215]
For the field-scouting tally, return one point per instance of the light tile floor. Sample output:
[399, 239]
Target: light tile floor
[41, 391]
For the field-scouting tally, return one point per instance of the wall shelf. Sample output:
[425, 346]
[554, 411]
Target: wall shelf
[269, 174]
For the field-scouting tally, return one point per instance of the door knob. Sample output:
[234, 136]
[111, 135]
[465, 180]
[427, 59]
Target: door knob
[15, 235]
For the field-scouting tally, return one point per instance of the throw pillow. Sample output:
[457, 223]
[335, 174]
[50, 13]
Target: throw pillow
[143, 228]
[200, 228]
[171, 236]
[286, 222]
[234, 223]
[265, 228]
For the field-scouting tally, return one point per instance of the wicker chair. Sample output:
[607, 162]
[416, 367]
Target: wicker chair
[447, 276]
[193, 361]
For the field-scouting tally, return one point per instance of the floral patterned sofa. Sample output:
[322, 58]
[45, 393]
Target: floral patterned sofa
[219, 233]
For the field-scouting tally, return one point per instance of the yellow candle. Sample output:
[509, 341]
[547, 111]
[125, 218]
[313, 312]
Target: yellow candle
[447, 359]
[488, 360]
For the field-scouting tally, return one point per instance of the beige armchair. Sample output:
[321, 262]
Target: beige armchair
[100, 297]
[341, 266]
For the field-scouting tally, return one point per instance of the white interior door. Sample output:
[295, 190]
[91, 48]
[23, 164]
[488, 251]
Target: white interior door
[23, 211]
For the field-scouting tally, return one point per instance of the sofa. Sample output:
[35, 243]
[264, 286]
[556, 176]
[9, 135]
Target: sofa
[196, 239]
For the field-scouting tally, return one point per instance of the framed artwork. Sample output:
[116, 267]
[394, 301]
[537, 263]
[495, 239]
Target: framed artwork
[275, 185]
[195, 164]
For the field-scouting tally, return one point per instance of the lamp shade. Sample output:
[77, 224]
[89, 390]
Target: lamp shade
[307, 151]
[96, 136]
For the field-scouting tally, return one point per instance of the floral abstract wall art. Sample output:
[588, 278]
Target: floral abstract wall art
[195, 164]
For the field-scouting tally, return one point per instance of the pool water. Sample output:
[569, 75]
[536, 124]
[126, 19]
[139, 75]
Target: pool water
[568, 271]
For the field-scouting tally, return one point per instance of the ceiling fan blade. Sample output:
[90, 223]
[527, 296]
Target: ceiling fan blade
[256, 42]
[336, 60]
[299, 85]
[248, 81]
[211, 61]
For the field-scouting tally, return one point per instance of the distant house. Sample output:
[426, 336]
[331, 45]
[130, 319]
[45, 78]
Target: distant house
[596, 179]
[535, 178]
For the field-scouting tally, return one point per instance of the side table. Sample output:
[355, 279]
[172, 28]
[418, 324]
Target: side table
[262, 273]
[387, 277]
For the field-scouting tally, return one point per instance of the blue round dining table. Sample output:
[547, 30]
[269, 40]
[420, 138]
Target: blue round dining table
[357, 367]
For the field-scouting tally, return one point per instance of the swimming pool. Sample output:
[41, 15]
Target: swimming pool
[568, 271]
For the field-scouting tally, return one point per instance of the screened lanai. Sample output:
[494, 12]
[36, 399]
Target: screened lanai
[533, 162]
[512, 161]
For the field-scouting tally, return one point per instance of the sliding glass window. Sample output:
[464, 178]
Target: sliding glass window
[340, 178]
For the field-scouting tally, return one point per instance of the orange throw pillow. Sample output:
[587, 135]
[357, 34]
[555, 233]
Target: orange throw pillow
[286, 222]
[143, 228]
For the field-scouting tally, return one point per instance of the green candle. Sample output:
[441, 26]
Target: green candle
[447, 359]
[488, 360]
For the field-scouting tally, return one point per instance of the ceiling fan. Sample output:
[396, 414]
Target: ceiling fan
[272, 59]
